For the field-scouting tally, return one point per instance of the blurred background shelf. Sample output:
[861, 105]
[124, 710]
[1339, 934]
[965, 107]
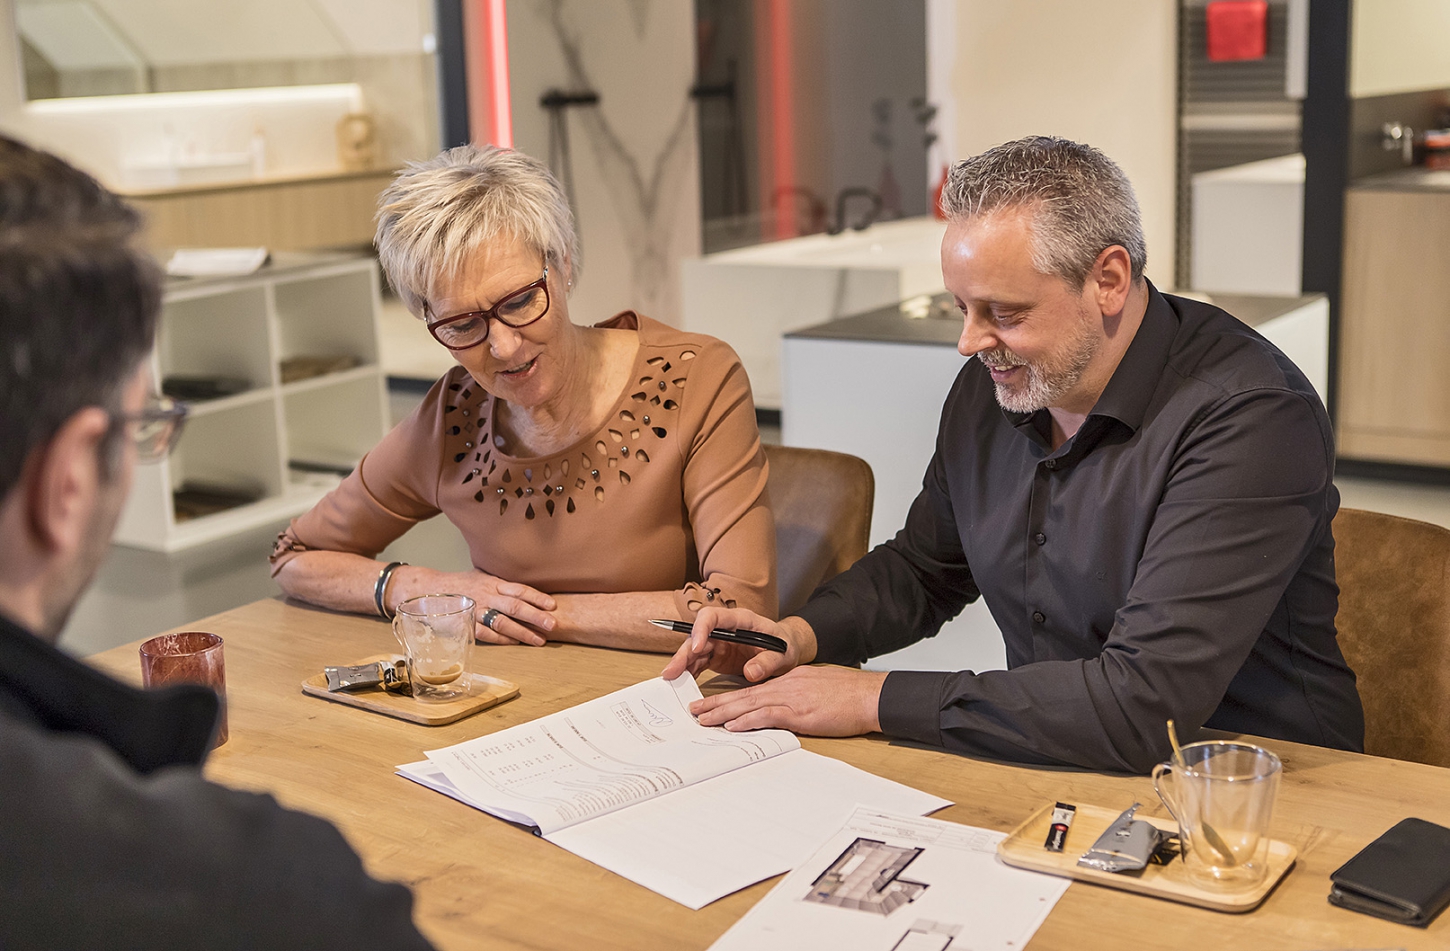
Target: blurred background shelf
[231, 472]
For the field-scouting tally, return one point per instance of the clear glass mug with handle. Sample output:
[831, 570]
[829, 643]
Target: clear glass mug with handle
[1222, 794]
[436, 634]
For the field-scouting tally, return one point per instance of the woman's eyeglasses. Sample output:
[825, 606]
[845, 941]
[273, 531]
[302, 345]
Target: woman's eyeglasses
[519, 309]
[158, 427]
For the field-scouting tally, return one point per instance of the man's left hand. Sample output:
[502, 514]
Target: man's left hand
[818, 701]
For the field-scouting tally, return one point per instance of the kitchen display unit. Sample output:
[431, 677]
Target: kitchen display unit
[292, 352]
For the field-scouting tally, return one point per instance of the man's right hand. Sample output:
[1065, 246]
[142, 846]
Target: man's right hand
[755, 664]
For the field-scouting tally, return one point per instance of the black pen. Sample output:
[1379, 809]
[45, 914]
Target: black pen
[749, 638]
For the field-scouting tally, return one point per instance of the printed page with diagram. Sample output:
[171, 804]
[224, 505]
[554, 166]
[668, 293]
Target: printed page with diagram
[899, 883]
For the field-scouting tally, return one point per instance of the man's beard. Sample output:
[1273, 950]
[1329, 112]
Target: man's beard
[1046, 380]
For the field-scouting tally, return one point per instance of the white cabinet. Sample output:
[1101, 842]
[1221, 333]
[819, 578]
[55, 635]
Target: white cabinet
[272, 449]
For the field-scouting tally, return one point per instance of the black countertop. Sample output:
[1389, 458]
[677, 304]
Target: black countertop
[1416, 178]
[944, 325]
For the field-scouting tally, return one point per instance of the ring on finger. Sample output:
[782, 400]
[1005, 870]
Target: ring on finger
[490, 618]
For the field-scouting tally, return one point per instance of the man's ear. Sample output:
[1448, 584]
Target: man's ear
[1112, 277]
[65, 482]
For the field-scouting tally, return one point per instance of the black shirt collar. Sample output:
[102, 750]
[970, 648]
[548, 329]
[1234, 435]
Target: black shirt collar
[1133, 383]
[148, 729]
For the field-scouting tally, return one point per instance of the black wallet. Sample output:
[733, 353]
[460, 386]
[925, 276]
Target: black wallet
[1403, 876]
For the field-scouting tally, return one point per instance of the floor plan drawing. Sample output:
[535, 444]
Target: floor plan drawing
[867, 877]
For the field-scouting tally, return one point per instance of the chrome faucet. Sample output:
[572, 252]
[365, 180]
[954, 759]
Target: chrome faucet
[1397, 135]
[864, 223]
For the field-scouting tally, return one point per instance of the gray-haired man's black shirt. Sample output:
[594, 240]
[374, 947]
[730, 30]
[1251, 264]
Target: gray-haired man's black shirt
[1173, 559]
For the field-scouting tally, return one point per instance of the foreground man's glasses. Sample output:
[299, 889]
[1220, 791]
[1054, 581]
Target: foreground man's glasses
[518, 309]
[158, 426]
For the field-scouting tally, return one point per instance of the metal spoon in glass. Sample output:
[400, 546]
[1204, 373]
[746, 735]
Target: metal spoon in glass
[1210, 834]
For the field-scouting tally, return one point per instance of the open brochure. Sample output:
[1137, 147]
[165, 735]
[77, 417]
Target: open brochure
[899, 883]
[631, 782]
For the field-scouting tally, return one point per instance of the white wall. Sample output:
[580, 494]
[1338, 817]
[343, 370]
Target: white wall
[1398, 46]
[1104, 73]
[634, 157]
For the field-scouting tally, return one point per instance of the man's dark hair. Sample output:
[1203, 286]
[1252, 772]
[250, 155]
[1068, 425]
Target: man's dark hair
[78, 300]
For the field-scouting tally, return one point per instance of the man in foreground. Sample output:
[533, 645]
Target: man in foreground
[1140, 486]
[109, 836]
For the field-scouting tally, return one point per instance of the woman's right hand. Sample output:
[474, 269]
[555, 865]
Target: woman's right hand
[524, 613]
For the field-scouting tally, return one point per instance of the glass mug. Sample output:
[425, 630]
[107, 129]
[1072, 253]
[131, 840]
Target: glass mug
[1222, 795]
[436, 634]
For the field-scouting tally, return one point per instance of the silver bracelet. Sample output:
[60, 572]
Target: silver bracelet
[381, 588]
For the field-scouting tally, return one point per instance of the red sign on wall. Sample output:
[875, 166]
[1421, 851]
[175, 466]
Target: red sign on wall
[1237, 30]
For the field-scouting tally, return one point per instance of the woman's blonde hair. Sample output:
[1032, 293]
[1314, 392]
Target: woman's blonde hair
[437, 213]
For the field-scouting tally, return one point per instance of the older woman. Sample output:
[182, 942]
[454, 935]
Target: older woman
[600, 475]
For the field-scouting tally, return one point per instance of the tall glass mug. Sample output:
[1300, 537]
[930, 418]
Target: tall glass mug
[436, 633]
[1223, 798]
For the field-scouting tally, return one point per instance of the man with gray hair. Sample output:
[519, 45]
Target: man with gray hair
[1139, 485]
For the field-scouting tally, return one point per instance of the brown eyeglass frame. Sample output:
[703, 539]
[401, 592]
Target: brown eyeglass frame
[492, 313]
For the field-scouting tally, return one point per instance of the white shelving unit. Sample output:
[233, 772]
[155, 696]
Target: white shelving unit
[298, 305]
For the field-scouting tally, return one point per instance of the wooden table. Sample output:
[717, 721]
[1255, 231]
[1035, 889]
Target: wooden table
[481, 883]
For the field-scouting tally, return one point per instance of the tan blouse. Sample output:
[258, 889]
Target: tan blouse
[668, 494]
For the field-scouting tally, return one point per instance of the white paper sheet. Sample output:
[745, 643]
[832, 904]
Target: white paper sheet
[888, 882]
[712, 811]
[703, 842]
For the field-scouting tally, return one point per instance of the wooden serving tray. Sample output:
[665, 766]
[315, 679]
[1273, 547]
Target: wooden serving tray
[487, 691]
[1023, 848]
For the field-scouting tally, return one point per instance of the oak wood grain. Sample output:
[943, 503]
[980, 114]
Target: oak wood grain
[481, 883]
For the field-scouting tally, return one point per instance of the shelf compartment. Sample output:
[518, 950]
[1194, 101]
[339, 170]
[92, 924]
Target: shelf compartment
[221, 335]
[329, 315]
[335, 423]
[236, 448]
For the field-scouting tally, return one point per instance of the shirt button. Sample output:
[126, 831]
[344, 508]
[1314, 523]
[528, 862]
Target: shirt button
[1040, 538]
[1050, 464]
[1038, 616]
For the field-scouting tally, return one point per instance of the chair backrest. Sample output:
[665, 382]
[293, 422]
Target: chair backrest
[822, 503]
[1394, 629]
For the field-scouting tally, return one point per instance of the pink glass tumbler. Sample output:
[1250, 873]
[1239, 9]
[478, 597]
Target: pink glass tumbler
[189, 657]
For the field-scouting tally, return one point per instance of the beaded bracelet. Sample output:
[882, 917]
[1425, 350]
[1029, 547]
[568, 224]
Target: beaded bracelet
[382, 586]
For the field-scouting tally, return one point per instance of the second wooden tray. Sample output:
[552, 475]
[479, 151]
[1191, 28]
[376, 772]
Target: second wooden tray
[486, 692]
[1023, 848]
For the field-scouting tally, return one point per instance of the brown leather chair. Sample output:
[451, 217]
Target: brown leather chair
[1394, 629]
[822, 503]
